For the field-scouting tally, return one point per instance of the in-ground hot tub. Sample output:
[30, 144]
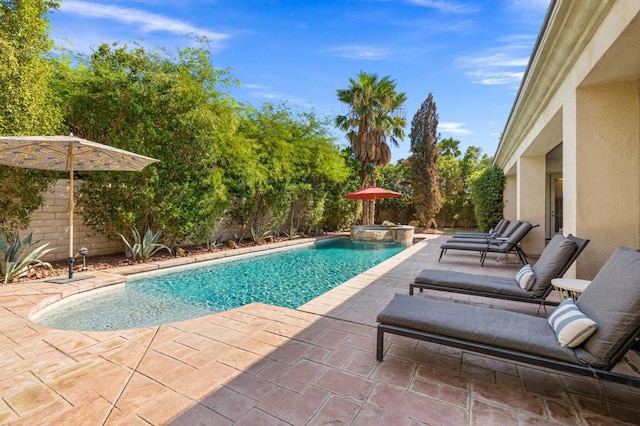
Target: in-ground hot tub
[382, 233]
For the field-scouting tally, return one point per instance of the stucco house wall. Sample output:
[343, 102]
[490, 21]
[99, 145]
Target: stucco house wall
[581, 96]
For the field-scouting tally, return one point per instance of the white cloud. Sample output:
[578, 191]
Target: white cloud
[147, 22]
[453, 128]
[446, 6]
[362, 52]
[499, 66]
[497, 78]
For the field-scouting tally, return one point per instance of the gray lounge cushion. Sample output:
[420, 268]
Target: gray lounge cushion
[612, 300]
[482, 283]
[479, 324]
[553, 259]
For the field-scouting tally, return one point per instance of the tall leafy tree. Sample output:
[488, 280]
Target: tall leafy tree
[285, 171]
[424, 162]
[456, 171]
[27, 104]
[374, 119]
[170, 107]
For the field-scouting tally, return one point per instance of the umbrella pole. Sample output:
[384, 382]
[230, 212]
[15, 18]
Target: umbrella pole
[71, 206]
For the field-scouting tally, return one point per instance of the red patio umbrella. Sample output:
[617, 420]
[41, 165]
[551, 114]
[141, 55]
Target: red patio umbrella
[371, 193]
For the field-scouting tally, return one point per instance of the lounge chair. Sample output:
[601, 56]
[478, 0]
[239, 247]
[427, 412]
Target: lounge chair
[497, 231]
[477, 238]
[498, 245]
[612, 300]
[555, 260]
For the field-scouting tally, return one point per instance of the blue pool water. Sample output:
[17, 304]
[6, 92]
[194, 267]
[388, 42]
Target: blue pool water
[288, 278]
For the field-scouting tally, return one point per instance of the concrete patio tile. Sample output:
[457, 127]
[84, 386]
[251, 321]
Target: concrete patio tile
[201, 382]
[364, 343]
[42, 415]
[561, 411]
[164, 407]
[251, 386]
[291, 352]
[604, 408]
[395, 372]
[259, 417]
[541, 382]
[371, 414]
[345, 384]
[478, 373]
[362, 363]
[277, 401]
[163, 368]
[94, 412]
[418, 407]
[304, 406]
[201, 416]
[487, 414]
[331, 339]
[118, 418]
[339, 356]
[272, 370]
[507, 397]
[139, 391]
[300, 375]
[206, 354]
[34, 397]
[239, 359]
[337, 410]
[318, 354]
[229, 403]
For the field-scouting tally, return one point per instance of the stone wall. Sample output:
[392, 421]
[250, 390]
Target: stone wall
[50, 224]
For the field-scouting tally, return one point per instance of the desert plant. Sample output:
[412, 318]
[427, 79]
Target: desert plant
[259, 236]
[18, 257]
[292, 234]
[146, 246]
[213, 242]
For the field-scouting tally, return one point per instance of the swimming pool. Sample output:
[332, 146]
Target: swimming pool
[288, 278]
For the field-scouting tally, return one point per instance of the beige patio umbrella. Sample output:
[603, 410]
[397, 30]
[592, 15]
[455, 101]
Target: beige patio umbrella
[67, 153]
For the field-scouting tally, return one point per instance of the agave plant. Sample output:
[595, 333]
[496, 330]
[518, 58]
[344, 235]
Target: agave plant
[18, 257]
[146, 246]
[259, 236]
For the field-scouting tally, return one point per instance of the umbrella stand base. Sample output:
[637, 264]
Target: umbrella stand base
[70, 280]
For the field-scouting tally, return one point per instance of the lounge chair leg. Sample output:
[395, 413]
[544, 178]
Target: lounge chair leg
[380, 345]
[441, 253]
[483, 256]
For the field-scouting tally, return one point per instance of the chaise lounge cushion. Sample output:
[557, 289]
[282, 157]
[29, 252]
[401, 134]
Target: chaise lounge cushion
[554, 257]
[612, 300]
[493, 327]
[477, 283]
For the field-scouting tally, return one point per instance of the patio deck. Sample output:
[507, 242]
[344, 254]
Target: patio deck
[267, 365]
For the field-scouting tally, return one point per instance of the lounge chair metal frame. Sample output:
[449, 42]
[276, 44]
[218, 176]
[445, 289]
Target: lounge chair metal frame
[486, 247]
[509, 354]
[581, 243]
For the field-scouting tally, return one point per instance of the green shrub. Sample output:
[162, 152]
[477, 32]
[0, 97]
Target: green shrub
[18, 257]
[487, 187]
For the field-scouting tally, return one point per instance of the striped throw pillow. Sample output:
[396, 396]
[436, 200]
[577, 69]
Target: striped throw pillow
[525, 277]
[572, 327]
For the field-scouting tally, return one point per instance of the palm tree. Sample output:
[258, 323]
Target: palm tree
[374, 118]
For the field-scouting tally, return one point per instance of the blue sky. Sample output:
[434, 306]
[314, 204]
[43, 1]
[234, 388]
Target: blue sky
[470, 54]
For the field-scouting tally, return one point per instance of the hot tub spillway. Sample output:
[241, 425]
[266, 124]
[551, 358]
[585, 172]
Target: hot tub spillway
[382, 233]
